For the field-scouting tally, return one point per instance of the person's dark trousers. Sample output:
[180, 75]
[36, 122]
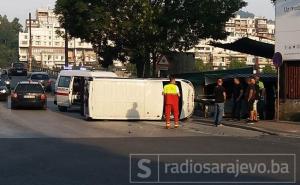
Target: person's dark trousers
[236, 109]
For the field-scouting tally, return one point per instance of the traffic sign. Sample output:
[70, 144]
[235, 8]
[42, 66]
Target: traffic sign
[277, 59]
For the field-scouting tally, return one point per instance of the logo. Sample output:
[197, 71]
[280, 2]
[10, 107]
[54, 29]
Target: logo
[212, 168]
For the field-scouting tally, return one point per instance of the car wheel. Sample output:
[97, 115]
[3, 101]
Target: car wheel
[62, 108]
[88, 119]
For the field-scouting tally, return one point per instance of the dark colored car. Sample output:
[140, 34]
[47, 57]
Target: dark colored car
[5, 78]
[43, 78]
[18, 69]
[30, 95]
[4, 92]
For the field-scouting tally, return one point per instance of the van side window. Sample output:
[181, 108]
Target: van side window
[64, 81]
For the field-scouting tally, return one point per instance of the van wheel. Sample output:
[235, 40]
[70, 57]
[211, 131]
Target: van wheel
[88, 119]
[62, 108]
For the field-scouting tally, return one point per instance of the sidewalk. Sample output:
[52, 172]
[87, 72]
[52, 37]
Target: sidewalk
[289, 129]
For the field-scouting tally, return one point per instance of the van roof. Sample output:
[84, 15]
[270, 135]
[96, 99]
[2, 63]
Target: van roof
[87, 73]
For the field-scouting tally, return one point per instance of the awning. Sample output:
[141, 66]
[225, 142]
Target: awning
[248, 46]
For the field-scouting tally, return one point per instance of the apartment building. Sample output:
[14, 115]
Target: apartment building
[259, 29]
[48, 47]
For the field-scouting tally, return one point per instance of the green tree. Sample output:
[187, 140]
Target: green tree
[201, 66]
[268, 69]
[143, 29]
[235, 64]
[9, 40]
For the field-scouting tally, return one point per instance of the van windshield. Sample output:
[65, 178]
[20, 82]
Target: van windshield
[64, 81]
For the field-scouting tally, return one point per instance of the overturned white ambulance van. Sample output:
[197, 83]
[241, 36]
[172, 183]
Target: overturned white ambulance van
[132, 99]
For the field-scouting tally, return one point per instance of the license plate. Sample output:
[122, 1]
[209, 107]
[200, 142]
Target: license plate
[29, 96]
[19, 71]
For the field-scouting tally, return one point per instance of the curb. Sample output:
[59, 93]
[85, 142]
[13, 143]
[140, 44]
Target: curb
[253, 128]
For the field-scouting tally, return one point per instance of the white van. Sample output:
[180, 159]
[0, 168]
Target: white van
[68, 91]
[132, 99]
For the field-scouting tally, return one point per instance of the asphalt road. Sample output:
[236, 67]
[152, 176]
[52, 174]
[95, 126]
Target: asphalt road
[49, 147]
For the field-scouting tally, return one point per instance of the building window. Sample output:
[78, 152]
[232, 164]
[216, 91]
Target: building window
[24, 42]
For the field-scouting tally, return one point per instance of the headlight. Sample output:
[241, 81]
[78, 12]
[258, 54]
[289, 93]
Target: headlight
[3, 91]
[7, 82]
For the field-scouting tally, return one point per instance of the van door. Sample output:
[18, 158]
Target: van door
[63, 91]
[154, 100]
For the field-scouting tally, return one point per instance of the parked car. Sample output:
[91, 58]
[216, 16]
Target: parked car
[18, 69]
[30, 95]
[4, 92]
[43, 78]
[5, 78]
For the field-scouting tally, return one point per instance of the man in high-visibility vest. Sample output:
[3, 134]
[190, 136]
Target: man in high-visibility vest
[172, 94]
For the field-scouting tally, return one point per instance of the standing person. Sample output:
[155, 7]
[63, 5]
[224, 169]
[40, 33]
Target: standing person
[220, 98]
[250, 98]
[260, 99]
[172, 94]
[237, 95]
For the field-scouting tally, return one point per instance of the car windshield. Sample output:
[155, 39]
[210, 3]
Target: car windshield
[18, 65]
[39, 77]
[29, 88]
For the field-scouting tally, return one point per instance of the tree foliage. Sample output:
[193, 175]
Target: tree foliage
[9, 43]
[201, 66]
[268, 69]
[142, 29]
[235, 64]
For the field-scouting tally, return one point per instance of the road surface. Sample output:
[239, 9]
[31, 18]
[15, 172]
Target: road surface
[50, 147]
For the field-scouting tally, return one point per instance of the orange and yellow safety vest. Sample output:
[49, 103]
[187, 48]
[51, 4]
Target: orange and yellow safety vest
[171, 89]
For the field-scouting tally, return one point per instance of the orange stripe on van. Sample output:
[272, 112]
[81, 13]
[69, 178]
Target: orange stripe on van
[62, 94]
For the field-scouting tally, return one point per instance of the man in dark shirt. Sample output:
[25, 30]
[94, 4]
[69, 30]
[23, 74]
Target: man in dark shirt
[250, 98]
[237, 95]
[220, 97]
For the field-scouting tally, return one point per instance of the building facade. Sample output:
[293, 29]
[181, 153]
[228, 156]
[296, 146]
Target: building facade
[259, 29]
[48, 47]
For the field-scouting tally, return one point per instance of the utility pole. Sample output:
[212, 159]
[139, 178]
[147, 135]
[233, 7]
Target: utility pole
[30, 45]
[66, 49]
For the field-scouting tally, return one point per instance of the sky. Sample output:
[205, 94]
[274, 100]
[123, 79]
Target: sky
[21, 8]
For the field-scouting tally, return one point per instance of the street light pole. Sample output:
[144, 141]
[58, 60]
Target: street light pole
[278, 94]
[66, 49]
[30, 45]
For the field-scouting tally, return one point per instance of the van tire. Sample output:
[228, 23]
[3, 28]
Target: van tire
[62, 109]
[88, 119]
